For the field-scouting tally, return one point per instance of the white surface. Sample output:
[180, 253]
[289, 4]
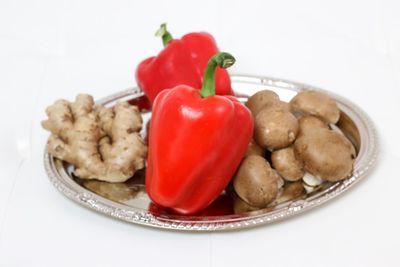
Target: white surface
[54, 49]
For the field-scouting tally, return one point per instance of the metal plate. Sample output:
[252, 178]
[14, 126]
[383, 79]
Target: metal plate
[129, 202]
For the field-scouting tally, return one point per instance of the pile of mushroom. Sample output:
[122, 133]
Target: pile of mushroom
[304, 151]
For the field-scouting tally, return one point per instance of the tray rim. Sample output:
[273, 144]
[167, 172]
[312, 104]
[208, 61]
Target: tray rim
[95, 202]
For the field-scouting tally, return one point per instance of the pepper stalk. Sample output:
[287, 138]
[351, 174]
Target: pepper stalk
[223, 60]
[164, 34]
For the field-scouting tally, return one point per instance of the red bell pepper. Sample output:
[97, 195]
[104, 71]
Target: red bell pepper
[196, 142]
[182, 61]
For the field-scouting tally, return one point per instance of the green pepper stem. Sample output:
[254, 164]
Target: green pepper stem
[164, 34]
[221, 59]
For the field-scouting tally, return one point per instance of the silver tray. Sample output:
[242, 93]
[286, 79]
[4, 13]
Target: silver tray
[129, 202]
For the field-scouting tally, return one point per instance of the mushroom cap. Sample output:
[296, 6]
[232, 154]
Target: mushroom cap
[292, 190]
[311, 123]
[317, 104]
[260, 100]
[256, 182]
[275, 129]
[254, 149]
[286, 164]
[277, 105]
[326, 154]
[241, 206]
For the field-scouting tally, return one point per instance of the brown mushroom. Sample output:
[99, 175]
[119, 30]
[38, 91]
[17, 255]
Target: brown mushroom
[309, 124]
[254, 149]
[326, 154]
[291, 191]
[260, 100]
[278, 105]
[241, 206]
[256, 182]
[286, 164]
[275, 129]
[317, 104]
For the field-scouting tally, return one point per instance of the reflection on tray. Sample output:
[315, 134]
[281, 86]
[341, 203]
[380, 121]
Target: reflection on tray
[132, 193]
[119, 192]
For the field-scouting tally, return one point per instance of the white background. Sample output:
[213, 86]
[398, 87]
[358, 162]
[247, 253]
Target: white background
[56, 49]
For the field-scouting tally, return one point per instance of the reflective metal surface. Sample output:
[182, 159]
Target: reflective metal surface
[129, 202]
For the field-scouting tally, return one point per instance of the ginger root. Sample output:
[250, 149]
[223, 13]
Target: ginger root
[102, 143]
